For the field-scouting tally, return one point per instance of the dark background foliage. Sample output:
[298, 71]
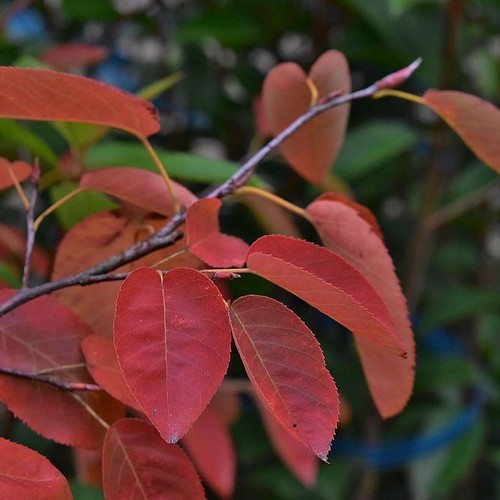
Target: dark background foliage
[437, 205]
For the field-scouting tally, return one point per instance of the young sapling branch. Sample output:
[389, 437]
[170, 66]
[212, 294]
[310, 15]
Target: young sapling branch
[30, 227]
[168, 234]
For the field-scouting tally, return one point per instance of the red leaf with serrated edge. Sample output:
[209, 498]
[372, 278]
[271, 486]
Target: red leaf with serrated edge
[17, 169]
[172, 338]
[329, 283]
[26, 474]
[285, 363]
[210, 447]
[299, 459]
[39, 94]
[42, 337]
[475, 120]
[144, 189]
[139, 465]
[344, 231]
[102, 364]
[312, 150]
[205, 240]
[67, 56]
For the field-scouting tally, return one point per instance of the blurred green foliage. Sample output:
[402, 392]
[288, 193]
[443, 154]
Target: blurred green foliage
[398, 160]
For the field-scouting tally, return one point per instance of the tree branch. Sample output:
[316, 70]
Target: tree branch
[168, 234]
[61, 384]
[30, 227]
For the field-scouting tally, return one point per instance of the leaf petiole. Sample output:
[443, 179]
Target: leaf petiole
[272, 197]
[398, 93]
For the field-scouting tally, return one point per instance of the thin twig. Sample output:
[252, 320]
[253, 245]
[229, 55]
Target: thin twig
[459, 207]
[65, 385]
[30, 227]
[168, 234]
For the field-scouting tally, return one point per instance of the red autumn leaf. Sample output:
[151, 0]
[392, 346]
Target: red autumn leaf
[88, 466]
[138, 464]
[287, 368]
[299, 459]
[343, 230]
[329, 283]
[68, 56]
[210, 447]
[42, 337]
[261, 122]
[205, 240]
[172, 338]
[19, 170]
[140, 187]
[26, 474]
[312, 150]
[38, 94]
[228, 405]
[475, 120]
[92, 241]
[102, 364]
[86, 244]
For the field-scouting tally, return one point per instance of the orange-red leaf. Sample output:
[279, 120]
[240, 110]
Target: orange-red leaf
[172, 338]
[38, 94]
[343, 230]
[139, 465]
[68, 56]
[210, 447]
[299, 459]
[286, 95]
[205, 239]
[328, 282]
[475, 120]
[26, 474]
[137, 186]
[86, 244]
[43, 337]
[103, 365]
[20, 170]
[287, 368]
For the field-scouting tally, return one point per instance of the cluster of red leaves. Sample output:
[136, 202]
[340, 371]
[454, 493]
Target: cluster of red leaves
[159, 344]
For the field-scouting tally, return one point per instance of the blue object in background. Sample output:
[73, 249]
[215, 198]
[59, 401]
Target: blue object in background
[397, 452]
[118, 72]
[441, 341]
[27, 25]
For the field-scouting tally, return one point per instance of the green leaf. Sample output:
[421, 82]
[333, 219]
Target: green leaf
[369, 146]
[459, 460]
[8, 276]
[19, 135]
[453, 304]
[84, 492]
[438, 372]
[79, 135]
[474, 177]
[184, 166]
[229, 24]
[156, 88]
[80, 206]
[397, 7]
[90, 10]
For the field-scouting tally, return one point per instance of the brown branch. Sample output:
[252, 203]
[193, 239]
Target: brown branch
[168, 234]
[61, 384]
[30, 227]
